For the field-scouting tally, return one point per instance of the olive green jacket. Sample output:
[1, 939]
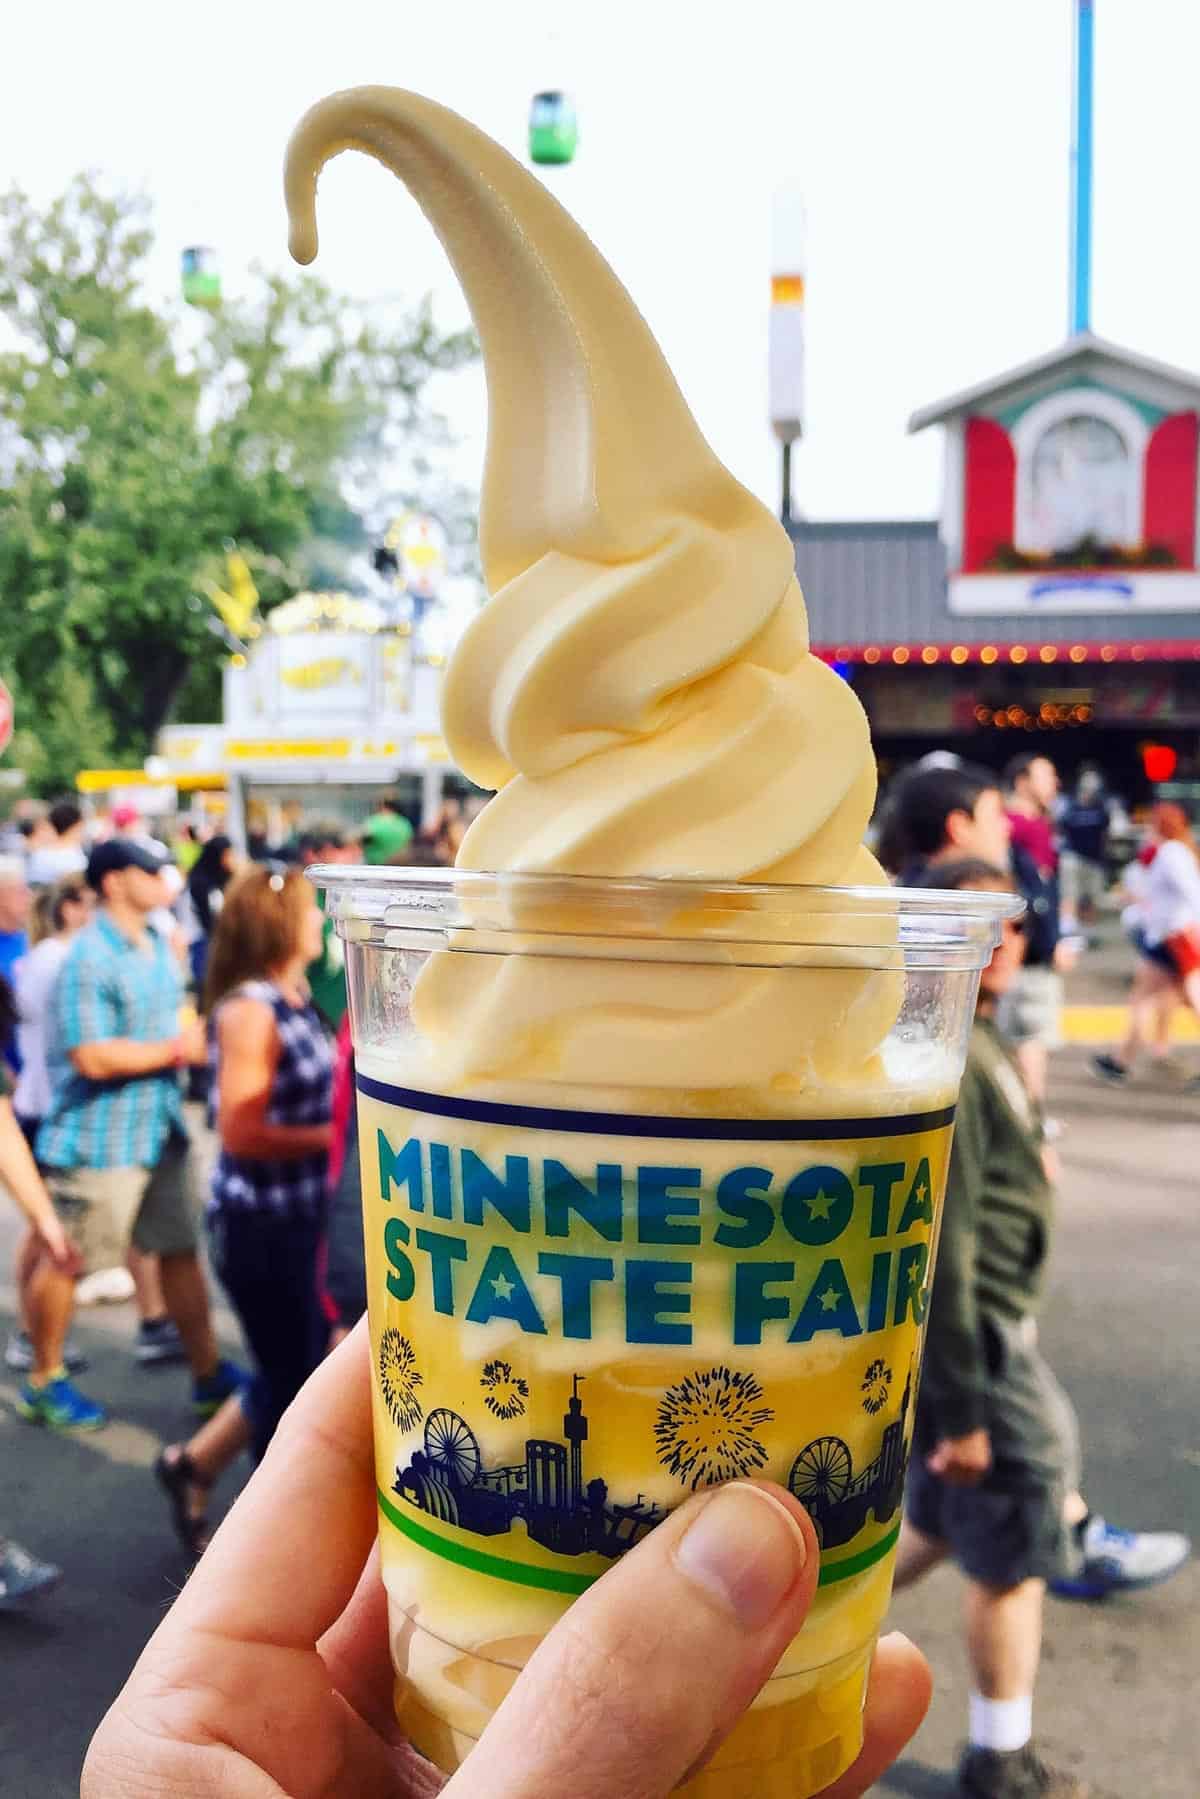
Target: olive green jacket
[995, 1234]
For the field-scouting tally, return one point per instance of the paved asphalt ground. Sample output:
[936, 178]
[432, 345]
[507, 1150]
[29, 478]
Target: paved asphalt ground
[1117, 1693]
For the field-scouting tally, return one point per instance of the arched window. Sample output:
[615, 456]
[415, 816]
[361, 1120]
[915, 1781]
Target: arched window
[1079, 472]
[1080, 481]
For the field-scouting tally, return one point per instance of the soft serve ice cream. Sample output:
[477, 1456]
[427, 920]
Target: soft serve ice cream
[646, 1206]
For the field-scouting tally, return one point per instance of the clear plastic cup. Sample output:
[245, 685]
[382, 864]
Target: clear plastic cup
[651, 1178]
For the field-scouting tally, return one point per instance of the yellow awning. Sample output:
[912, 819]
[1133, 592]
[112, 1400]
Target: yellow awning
[103, 780]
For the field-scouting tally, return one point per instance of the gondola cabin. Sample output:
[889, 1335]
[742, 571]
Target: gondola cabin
[553, 128]
[201, 278]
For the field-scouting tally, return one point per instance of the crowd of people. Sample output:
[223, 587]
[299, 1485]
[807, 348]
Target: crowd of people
[134, 973]
[995, 1474]
[127, 970]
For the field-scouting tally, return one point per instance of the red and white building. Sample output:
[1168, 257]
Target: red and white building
[1058, 592]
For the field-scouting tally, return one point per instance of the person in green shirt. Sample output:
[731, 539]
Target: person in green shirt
[320, 842]
[386, 836]
[994, 1480]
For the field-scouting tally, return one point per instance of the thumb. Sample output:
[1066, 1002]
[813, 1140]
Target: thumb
[646, 1674]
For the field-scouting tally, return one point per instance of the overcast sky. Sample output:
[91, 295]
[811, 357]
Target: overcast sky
[930, 139]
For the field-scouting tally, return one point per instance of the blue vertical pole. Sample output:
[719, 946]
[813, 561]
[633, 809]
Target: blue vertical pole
[1080, 297]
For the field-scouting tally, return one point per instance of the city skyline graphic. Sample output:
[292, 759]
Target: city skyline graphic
[548, 1492]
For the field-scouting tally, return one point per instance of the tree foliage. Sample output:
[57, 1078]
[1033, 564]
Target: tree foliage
[137, 440]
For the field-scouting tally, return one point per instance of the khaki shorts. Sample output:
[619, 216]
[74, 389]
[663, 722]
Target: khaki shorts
[1083, 883]
[104, 1210]
[1030, 1011]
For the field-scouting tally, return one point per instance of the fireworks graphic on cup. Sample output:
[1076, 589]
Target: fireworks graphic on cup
[707, 1428]
[504, 1393]
[399, 1378]
[875, 1384]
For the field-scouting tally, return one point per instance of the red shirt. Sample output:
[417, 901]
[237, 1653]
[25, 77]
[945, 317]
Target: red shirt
[1036, 837]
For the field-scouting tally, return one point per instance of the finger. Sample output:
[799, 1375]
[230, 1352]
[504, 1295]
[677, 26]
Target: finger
[289, 1555]
[356, 1651]
[897, 1699]
[650, 1670]
[357, 1656]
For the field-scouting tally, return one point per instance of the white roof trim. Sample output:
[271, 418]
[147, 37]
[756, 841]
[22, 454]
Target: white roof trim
[1080, 348]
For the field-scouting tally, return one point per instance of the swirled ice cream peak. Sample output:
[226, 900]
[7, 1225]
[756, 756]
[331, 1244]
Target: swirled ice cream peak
[639, 687]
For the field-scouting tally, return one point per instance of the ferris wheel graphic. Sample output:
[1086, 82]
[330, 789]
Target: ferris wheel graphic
[821, 1472]
[451, 1446]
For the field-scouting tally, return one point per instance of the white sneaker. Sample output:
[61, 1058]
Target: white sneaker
[107, 1286]
[19, 1356]
[1123, 1560]
[23, 1576]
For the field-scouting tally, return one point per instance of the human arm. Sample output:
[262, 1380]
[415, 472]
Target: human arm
[18, 1172]
[955, 1373]
[123, 1058]
[247, 1057]
[271, 1673]
[89, 1020]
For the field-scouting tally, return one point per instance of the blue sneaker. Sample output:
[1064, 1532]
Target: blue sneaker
[23, 1577]
[210, 1394]
[1123, 1560]
[60, 1405]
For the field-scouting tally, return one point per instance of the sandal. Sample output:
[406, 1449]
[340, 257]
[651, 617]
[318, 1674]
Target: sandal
[177, 1473]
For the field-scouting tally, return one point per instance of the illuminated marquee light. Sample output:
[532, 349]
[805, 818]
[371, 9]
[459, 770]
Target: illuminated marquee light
[989, 654]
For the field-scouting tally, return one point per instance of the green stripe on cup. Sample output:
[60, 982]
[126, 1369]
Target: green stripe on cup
[495, 1565]
[555, 1581]
[854, 1564]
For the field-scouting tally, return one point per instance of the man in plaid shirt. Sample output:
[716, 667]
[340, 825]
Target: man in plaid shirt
[113, 1146]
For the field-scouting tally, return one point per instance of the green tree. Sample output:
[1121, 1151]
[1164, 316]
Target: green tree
[137, 440]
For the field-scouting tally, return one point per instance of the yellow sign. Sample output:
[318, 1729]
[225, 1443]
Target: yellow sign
[104, 780]
[325, 673]
[787, 290]
[267, 749]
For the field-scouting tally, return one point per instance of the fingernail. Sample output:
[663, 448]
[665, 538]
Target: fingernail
[746, 1550]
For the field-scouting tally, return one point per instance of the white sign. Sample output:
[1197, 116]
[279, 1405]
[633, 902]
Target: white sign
[323, 674]
[1086, 590]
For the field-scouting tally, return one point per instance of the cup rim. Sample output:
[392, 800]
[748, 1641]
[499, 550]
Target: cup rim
[503, 913]
[984, 905]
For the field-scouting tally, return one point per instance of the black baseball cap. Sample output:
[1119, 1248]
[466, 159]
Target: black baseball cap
[116, 853]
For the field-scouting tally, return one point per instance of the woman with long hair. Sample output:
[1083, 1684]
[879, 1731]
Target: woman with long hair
[1172, 900]
[272, 1106]
[207, 880]
[1156, 989]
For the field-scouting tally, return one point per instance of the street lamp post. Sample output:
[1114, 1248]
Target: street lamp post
[785, 344]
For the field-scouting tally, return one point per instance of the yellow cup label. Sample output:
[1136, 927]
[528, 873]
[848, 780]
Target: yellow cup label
[578, 1318]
